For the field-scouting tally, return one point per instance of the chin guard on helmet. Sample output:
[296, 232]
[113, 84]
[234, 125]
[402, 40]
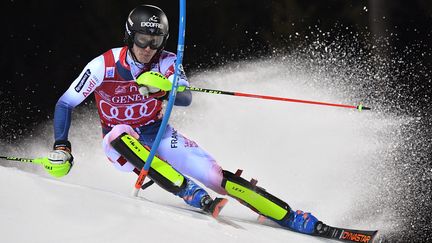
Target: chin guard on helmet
[160, 171]
[253, 196]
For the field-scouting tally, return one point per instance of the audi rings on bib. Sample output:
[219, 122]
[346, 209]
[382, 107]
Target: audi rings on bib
[115, 112]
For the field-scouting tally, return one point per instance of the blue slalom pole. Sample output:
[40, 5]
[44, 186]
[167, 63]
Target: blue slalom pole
[171, 99]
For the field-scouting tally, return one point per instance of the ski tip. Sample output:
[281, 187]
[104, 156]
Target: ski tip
[219, 203]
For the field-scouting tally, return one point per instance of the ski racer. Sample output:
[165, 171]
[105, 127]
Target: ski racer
[127, 107]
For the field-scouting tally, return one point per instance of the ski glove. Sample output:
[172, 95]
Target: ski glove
[154, 82]
[60, 160]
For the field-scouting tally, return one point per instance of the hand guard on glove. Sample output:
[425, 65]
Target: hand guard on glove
[154, 84]
[60, 160]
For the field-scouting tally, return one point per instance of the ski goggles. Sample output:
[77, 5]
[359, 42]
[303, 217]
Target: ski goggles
[145, 40]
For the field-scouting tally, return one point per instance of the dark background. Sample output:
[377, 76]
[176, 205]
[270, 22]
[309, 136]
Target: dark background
[45, 44]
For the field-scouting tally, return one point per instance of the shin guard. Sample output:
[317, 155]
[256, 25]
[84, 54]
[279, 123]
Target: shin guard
[254, 197]
[160, 171]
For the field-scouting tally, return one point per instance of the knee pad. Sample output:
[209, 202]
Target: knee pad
[160, 171]
[254, 197]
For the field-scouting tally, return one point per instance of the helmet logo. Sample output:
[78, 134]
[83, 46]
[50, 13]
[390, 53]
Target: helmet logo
[152, 25]
[154, 18]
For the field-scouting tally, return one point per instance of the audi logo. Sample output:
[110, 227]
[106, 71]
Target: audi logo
[127, 112]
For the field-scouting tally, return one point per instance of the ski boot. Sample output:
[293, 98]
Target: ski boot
[300, 222]
[197, 197]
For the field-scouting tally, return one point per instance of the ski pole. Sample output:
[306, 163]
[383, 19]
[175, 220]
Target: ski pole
[39, 161]
[359, 107]
[54, 169]
[172, 96]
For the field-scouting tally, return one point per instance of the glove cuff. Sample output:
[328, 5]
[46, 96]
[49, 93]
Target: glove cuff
[63, 145]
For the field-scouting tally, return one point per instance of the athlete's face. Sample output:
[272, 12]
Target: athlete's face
[144, 55]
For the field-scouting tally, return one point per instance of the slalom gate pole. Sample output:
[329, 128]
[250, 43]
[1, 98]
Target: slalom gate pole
[359, 107]
[171, 99]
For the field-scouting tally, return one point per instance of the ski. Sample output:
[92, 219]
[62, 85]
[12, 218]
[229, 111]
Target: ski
[321, 229]
[329, 232]
[345, 235]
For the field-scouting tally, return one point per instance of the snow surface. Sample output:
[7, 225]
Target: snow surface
[322, 160]
[43, 210]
